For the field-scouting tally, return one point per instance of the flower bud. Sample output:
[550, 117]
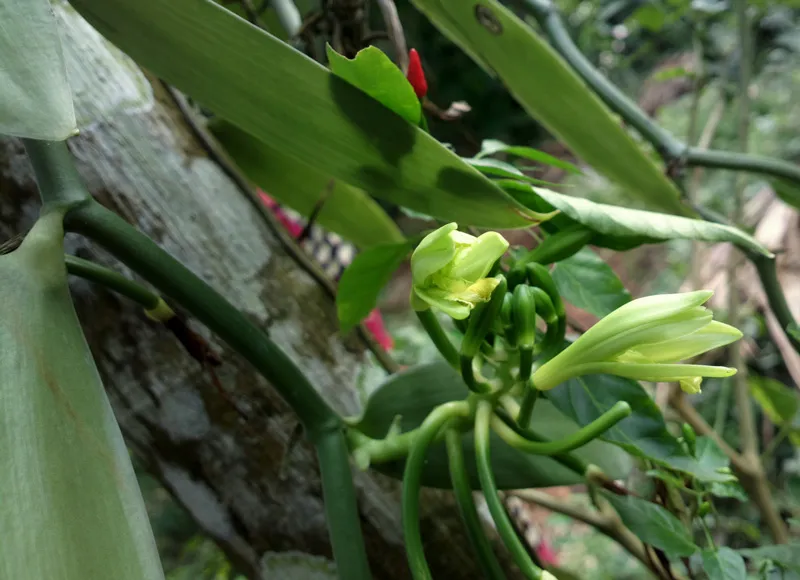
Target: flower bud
[449, 270]
[645, 340]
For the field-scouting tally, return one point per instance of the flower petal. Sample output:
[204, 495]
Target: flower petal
[654, 372]
[442, 300]
[433, 253]
[480, 291]
[713, 335]
[474, 262]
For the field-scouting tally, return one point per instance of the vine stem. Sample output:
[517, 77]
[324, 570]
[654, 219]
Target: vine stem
[412, 481]
[483, 419]
[442, 342]
[466, 507]
[60, 187]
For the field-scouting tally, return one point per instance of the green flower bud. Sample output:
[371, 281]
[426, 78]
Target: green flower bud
[645, 340]
[449, 270]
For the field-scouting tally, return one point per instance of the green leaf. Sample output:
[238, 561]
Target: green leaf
[35, 98]
[786, 555]
[71, 505]
[650, 16]
[643, 434]
[728, 489]
[415, 392]
[586, 281]
[495, 168]
[374, 73]
[653, 525]
[292, 103]
[724, 564]
[710, 456]
[552, 93]
[623, 227]
[778, 402]
[363, 280]
[493, 147]
[348, 211]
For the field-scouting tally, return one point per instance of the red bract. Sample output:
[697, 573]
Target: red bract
[415, 74]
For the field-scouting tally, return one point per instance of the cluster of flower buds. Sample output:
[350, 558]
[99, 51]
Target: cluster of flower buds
[647, 339]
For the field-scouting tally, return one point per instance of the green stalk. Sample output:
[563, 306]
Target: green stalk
[173, 279]
[504, 526]
[341, 507]
[466, 506]
[442, 342]
[581, 437]
[412, 480]
[112, 280]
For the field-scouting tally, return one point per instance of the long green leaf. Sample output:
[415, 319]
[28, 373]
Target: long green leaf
[644, 433]
[70, 507]
[290, 102]
[620, 227]
[348, 211]
[553, 94]
[35, 99]
[415, 392]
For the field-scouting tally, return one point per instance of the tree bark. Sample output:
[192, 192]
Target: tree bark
[223, 451]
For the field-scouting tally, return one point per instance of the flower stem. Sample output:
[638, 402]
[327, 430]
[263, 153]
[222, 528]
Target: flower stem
[466, 505]
[504, 526]
[412, 480]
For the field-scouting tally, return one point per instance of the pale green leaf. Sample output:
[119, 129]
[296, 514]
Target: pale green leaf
[70, 506]
[724, 564]
[292, 103]
[620, 223]
[35, 99]
[653, 525]
[375, 74]
[493, 147]
[586, 281]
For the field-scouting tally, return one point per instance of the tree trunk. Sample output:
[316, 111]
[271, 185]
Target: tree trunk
[222, 449]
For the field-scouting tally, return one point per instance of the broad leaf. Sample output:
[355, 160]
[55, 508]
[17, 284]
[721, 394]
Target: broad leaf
[374, 73]
[363, 280]
[620, 227]
[35, 99]
[292, 103]
[786, 556]
[724, 564]
[348, 211]
[729, 490]
[553, 94]
[710, 456]
[644, 433]
[653, 525]
[586, 281]
[493, 147]
[415, 392]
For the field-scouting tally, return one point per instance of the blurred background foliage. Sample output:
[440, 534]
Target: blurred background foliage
[678, 59]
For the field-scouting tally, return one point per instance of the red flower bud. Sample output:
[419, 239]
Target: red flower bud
[415, 74]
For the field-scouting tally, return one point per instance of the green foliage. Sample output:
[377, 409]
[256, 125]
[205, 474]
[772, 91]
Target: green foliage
[490, 33]
[35, 98]
[414, 393]
[785, 556]
[376, 75]
[344, 209]
[724, 564]
[653, 524]
[265, 87]
[364, 279]
[586, 281]
[643, 434]
[491, 147]
[623, 228]
[778, 402]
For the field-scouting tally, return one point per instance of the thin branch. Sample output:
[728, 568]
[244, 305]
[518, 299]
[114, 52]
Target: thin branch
[394, 28]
